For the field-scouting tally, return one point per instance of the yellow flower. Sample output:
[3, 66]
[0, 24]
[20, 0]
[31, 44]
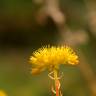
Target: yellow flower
[51, 57]
[2, 93]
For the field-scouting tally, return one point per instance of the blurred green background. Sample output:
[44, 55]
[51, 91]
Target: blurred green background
[26, 25]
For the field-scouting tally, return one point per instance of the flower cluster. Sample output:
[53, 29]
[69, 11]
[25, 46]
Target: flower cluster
[50, 57]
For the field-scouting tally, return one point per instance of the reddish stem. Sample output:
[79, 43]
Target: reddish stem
[57, 87]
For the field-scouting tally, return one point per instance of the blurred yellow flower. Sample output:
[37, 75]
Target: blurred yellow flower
[51, 57]
[2, 93]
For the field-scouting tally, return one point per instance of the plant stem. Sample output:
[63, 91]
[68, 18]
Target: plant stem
[56, 82]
